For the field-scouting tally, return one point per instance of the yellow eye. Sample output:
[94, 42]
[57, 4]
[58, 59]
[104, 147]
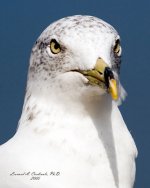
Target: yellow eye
[117, 48]
[55, 46]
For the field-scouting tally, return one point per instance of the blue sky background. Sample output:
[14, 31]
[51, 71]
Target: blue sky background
[21, 22]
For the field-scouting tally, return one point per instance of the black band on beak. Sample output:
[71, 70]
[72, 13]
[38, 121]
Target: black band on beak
[108, 74]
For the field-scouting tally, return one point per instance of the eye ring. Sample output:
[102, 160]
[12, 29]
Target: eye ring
[117, 48]
[55, 46]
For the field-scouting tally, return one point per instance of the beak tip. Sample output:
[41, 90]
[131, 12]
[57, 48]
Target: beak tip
[113, 89]
[115, 97]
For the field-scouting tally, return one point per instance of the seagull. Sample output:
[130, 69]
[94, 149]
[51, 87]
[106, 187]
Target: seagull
[71, 133]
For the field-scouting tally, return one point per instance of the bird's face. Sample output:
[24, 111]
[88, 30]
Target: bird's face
[78, 51]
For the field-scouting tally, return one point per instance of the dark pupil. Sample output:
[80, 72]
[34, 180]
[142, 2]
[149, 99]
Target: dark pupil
[116, 45]
[115, 48]
[56, 46]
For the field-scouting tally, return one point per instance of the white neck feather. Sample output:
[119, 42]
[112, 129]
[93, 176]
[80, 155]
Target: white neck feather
[51, 107]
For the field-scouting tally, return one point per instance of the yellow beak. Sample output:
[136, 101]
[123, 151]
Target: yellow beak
[102, 76]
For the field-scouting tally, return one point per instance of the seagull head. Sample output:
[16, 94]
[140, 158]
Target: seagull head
[74, 53]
